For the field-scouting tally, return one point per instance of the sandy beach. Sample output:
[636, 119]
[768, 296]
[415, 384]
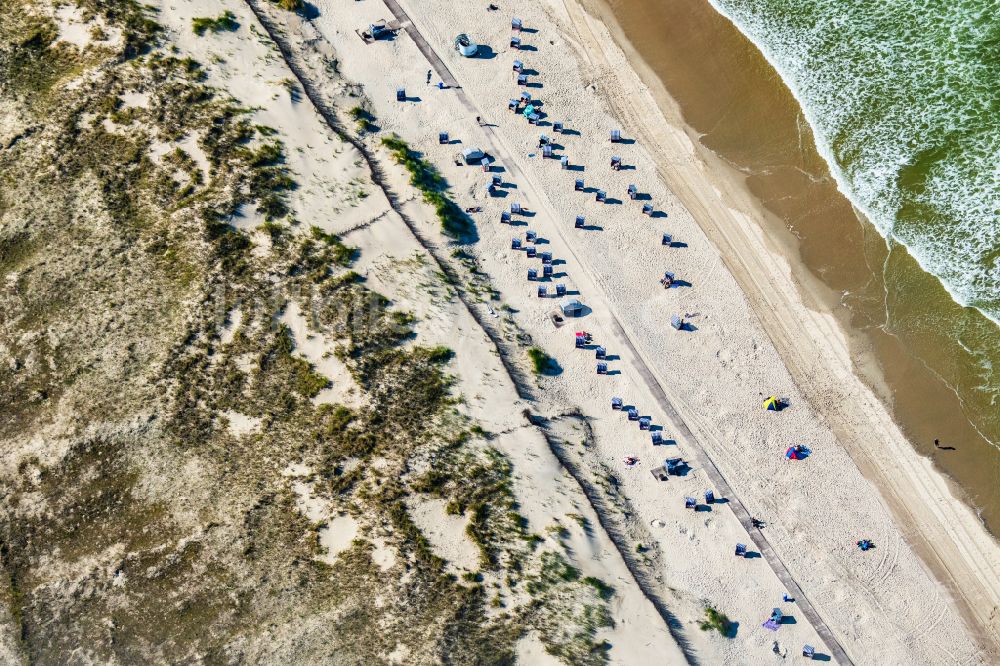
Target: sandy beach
[754, 337]
[922, 353]
[393, 482]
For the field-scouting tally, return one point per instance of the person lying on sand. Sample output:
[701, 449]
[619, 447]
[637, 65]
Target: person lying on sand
[631, 461]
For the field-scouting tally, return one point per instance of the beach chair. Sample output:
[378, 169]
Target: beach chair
[633, 191]
[547, 151]
[515, 209]
[400, 94]
[647, 209]
[690, 503]
[601, 196]
[547, 270]
[616, 403]
[533, 118]
[616, 136]
[543, 292]
[616, 162]
[518, 66]
[667, 240]
[560, 289]
[530, 251]
[504, 217]
[676, 322]
[564, 162]
[526, 98]
[532, 274]
[443, 137]
[515, 43]
[532, 236]
[578, 185]
[546, 257]
[557, 127]
[522, 79]
[644, 423]
[515, 243]
[709, 497]
[657, 437]
[580, 222]
[808, 651]
[543, 140]
[672, 465]
[602, 368]
[581, 341]
[495, 180]
[776, 615]
[512, 105]
[741, 550]
[485, 163]
[633, 414]
[601, 353]
[516, 25]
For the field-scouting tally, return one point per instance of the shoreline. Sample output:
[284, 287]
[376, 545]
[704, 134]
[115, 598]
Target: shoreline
[837, 172]
[820, 297]
[914, 352]
[753, 335]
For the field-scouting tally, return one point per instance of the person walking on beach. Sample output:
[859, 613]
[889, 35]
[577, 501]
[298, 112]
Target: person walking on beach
[428, 77]
[937, 445]
[479, 121]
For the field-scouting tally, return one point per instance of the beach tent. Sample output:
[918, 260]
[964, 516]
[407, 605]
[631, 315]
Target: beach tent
[472, 155]
[772, 404]
[465, 46]
[572, 307]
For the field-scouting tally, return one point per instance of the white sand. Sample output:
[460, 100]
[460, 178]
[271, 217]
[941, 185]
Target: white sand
[531, 651]
[446, 533]
[241, 424]
[317, 349]
[883, 606]
[337, 536]
[876, 603]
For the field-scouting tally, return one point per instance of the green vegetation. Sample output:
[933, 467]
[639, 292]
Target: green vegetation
[291, 5]
[223, 22]
[541, 363]
[124, 266]
[338, 253]
[426, 178]
[714, 620]
[604, 590]
[363, 119]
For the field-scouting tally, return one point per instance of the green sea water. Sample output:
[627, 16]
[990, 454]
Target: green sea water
[903, 97]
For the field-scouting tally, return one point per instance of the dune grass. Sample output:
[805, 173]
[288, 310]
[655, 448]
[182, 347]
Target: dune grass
[717, 621]
[425, 177]
[224, 22]
[541, 362]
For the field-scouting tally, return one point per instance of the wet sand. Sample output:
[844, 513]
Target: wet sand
[904, 327]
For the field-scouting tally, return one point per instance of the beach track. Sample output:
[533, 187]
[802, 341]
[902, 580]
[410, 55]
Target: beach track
[497, 147]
